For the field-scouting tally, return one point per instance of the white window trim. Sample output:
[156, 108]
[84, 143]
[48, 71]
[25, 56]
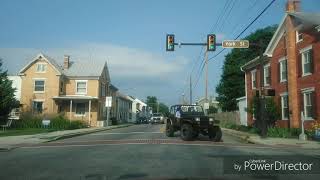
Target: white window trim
[264, 76]
[61, 92]
[86, 81]
[282, 113]
[255, 77]
[305, 49]
[34, 85]
[305, 107]
[280, 64]
[303, 60]
[309, 89]
[75, 110]
[46, 66]
[297, 37]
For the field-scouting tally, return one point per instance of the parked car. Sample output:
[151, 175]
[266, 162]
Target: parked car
[157, 118]
[142, 120]
[191, 121]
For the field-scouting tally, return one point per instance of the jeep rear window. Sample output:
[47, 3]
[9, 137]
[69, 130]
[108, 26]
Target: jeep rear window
[191, 109]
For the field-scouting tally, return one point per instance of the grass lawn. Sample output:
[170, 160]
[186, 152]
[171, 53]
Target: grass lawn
[29, 131]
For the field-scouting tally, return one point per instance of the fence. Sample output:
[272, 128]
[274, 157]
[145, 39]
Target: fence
[227, 117]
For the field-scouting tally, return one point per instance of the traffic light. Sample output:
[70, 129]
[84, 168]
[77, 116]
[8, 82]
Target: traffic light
[170, 42]
[211, 42]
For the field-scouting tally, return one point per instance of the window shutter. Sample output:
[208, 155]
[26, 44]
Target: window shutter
[314, 105]
[299, 65]
[279, 72]
[311, 61]
[270, 75]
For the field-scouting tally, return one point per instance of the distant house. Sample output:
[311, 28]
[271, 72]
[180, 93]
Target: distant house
[16, 83]
[139, 109]
[291, 69]
[212, 102]
[76, 90]
[124, 108]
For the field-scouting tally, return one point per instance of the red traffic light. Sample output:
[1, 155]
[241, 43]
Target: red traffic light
[170, 42]
[211, 42]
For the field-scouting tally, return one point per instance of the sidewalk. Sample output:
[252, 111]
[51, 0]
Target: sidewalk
[280, 142]
[11, 142]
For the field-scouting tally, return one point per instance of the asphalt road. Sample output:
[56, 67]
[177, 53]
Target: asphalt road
[138, 152]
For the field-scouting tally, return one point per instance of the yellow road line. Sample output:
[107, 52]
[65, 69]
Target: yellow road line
[163, 129]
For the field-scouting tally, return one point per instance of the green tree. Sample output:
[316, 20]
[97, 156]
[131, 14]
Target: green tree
[231, 85]
[7, 100]
[163, 109]
[152, 102]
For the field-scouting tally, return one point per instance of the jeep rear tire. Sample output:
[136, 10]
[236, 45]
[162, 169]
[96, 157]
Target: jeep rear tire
[215, 134]
[186, 132]
[169, 130]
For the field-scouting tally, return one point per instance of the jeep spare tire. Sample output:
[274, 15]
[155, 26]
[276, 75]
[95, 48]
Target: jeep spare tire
[186, 132]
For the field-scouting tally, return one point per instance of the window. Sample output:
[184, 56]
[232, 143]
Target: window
[308, 104]
[102, 89]
[298, 36]
[266, 75]
[61, 87]
[39, 86]
[283, 70]
[81, 87]
[41, 67]
[253, 79]
[80, 109]
[306, 58]
[37, 107]
[284, 107]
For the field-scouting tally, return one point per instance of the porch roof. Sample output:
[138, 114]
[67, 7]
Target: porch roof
[75, 97]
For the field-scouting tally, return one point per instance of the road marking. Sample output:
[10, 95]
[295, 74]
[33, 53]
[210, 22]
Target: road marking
[162, 129]
[98, 134]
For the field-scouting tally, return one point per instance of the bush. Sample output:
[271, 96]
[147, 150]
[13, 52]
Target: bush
[57, 123]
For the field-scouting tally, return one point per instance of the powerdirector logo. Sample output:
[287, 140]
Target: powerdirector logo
[271, 165]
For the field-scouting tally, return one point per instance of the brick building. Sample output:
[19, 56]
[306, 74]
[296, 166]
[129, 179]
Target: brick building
[291, 66]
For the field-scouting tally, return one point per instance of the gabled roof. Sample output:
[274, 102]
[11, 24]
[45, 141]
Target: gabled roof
[302, 21]
[46, 58]
[76, 69]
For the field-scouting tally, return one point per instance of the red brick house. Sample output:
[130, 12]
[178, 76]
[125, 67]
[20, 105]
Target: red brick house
[291, 67]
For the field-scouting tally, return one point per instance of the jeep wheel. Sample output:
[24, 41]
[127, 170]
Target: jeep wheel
[215, 134]
[169, 130]
[186, 132]
[195, 134]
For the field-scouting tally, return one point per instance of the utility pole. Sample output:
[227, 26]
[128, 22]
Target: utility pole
[157, 107]
[262, 105]
[206, 84]
[190, 91]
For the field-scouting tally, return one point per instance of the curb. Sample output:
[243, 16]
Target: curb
[70, 135]
[240, 135]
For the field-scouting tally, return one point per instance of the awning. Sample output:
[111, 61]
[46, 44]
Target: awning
[74, 97]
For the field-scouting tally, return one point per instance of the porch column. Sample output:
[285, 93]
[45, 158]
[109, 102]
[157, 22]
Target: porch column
[90, 112]
[70, 110]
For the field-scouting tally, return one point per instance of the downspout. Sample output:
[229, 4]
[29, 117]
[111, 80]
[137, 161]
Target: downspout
[287, 84]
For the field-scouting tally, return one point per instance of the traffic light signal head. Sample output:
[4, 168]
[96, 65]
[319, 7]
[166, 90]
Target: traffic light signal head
[170, 42]
[211, 42]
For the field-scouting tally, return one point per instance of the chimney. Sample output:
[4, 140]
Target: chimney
[293, 6]
[66, 62]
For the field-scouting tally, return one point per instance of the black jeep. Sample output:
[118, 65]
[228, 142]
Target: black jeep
[190, 120]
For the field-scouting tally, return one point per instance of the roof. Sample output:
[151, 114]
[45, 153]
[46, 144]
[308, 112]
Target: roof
[76, 69]
[86, 69]
[113, 87]
[253, 63]
[303, 21]
[122, 96]
[46, 58]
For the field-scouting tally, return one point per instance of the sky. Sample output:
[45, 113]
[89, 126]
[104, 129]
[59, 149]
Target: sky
[130, 36]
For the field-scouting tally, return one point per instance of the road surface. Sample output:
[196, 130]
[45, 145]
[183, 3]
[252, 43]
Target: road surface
[135, 152]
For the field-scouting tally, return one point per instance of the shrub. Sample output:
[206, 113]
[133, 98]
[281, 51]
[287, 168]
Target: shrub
[77, 125]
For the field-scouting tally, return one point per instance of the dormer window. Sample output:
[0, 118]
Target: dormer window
[41, 68]
[298, 36]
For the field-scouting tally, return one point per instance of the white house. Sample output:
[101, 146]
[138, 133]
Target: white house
[16, 83]
[139, 109]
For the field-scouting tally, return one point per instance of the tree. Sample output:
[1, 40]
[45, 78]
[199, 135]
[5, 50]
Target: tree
[231, 85]
[7, 100]
[163, 109]
[152, 102]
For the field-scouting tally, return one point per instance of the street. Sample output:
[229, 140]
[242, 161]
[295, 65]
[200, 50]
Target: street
[135, 152]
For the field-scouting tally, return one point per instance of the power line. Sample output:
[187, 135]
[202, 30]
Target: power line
[256, 18]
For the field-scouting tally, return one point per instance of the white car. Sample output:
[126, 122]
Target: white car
[157, 118]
